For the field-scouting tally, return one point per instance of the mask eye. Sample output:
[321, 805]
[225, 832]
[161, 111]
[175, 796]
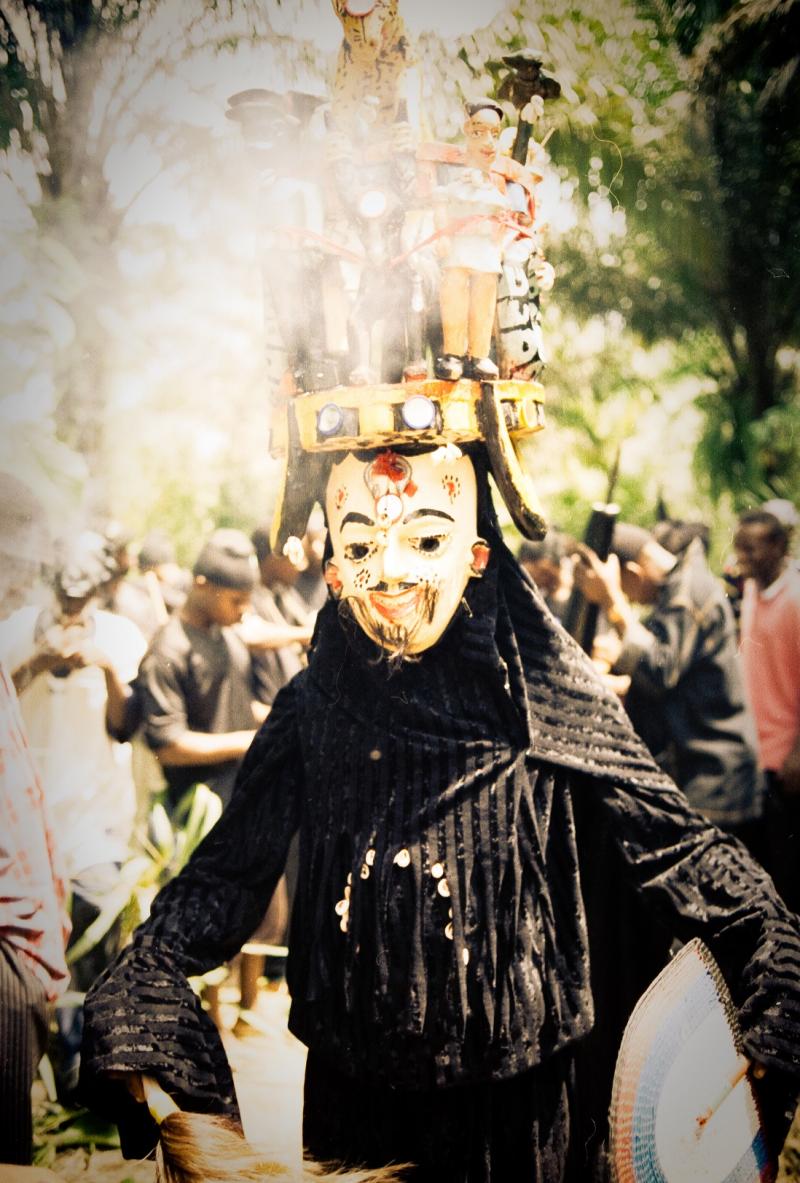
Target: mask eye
[430, 544]
[356, 552]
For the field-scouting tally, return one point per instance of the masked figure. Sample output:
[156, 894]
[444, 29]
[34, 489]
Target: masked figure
[491, 865]
[479, 827]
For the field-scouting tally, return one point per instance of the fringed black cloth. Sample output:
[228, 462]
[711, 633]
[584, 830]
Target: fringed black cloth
[454, 812]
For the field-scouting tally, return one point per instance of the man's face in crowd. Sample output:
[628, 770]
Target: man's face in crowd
[759, 552]
[224, 605]
[402, 531]
[73, 608]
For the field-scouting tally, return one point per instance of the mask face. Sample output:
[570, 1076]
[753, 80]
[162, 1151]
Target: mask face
[403, 530]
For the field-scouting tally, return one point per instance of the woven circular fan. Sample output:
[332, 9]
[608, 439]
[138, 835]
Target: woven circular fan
[683, 1108]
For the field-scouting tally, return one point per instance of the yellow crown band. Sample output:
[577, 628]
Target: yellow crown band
[424, 412]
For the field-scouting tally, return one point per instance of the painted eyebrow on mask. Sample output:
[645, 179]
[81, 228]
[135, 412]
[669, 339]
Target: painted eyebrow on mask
[427, 513]
[360, 519]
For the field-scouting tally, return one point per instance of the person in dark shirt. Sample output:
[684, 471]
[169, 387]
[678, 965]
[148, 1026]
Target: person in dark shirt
[201, 700]
[203, 689]
[686, 697]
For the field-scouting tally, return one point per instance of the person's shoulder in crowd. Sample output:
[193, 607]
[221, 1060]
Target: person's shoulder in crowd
[170, 639]
[122, 640]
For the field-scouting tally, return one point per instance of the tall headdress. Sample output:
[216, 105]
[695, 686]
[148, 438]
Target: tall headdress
[350, 266]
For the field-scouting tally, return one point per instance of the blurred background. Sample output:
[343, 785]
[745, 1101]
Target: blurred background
[136, 364]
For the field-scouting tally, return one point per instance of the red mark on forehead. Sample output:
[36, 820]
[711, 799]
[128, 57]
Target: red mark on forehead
[389, 464]
[339, 497]
[389, 469]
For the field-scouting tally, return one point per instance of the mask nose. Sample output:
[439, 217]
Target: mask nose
[395, 566]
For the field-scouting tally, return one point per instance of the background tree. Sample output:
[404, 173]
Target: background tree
[104, 132]
[135, 228]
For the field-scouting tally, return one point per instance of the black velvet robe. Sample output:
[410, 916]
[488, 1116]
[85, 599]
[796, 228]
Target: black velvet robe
[490, 867]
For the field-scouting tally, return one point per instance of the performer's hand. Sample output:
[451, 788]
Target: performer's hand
[132, 1081]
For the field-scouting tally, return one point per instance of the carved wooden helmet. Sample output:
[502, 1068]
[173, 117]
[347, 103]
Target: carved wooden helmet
[426, 413]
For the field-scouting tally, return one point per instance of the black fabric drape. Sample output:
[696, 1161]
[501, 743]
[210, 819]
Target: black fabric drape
[495, 764]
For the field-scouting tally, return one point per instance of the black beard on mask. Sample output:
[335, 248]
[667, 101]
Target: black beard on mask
[393, 639]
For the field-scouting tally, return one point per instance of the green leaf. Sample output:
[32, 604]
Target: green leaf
[130, 875]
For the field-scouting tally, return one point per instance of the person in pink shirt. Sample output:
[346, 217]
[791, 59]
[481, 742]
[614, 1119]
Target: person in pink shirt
[770, 646]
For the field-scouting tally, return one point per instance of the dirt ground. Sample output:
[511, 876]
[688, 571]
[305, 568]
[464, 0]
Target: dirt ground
[268, 1065]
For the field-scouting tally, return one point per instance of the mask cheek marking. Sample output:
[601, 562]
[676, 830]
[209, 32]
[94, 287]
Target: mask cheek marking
[361, 580]
[452, 486]
[430, 598]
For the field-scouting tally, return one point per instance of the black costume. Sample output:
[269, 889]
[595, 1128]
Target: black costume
[460, 816]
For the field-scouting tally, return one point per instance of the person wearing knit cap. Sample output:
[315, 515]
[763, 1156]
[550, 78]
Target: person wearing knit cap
[203, 693]
[201, 702]
[686, 697]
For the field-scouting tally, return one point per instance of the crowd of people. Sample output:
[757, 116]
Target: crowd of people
[121, 686]
[708, 666]
[110, 659]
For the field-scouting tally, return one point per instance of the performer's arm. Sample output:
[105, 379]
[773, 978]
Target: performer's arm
[142, 1015]
[704, 883]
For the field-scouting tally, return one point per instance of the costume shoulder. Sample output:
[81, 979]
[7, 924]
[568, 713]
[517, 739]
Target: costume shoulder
[278, 735]
[575, 721]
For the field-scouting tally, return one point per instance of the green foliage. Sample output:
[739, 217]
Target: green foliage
[670, 206]
[167, 847]
[57, 1129]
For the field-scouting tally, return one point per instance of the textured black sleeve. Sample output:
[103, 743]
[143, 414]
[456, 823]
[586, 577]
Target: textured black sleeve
[704, 883]
[142, 1015]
